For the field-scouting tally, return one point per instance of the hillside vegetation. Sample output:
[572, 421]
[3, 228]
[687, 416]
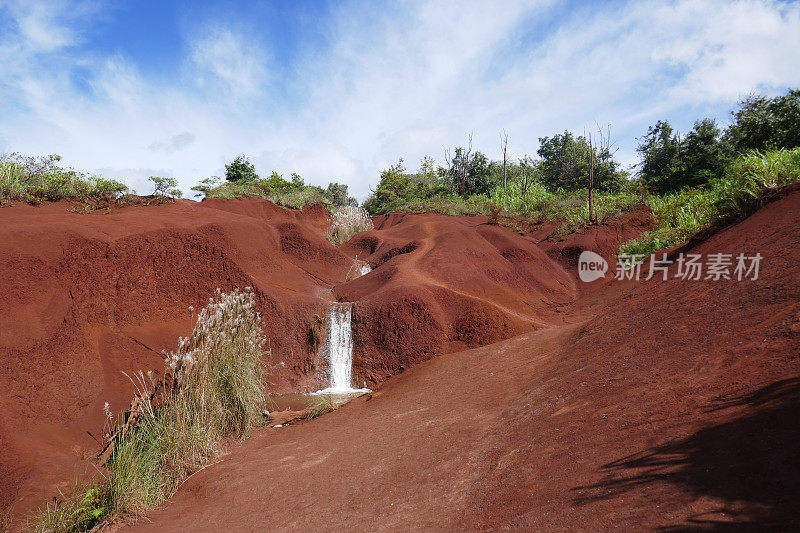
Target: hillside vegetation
[691, 182]
[242, 180]
[34, 180]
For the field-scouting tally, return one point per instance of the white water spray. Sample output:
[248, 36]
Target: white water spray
[340, 346]
[339, 349]
[365, 269]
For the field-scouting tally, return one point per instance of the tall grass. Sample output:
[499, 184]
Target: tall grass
[346, 221]
[572, 207]
[691, 212]
[34, 180]
[213, 391]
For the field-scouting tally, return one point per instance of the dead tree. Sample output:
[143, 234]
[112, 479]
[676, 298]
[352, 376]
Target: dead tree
[504, 146]
[526, 166]
[604, 148]
[458, 166]
[592, 218]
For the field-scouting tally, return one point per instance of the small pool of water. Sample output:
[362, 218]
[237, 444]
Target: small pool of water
[301, 401]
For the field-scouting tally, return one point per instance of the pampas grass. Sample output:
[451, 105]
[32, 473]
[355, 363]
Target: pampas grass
[346, 221]
[213, 392]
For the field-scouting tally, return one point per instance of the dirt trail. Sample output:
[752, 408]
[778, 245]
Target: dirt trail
[661, 404]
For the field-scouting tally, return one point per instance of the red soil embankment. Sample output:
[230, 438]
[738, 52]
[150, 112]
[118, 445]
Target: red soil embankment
[88, 297]
[662, 405]
[441, 284]
[85, 297]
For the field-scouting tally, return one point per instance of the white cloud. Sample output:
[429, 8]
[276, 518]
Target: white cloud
[402, 82]
[38, 22]
[174, 144]
[239, 67]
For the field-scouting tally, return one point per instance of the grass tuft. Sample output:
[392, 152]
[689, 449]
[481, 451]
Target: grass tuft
[321, 406]
[213, 391]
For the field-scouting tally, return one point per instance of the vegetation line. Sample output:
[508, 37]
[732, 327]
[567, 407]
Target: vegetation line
[691, 182]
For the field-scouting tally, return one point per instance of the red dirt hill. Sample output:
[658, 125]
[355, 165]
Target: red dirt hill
[85, 297]
[442, 284]
[664, 405]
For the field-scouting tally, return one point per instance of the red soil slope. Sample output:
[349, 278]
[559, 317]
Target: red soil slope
[443, 284]
[85, 297]
[663, 404]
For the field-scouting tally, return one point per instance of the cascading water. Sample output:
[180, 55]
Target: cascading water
[340, 347]
[365, 269]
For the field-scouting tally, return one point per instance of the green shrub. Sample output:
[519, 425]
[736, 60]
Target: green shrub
[80, 512]
[293, 194]
[690, 212]
[38, 179]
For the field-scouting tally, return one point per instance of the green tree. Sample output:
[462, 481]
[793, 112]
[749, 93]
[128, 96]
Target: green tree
[469, 173]
[398, 188]
[565, 164]
[165, 186]
[703, 154]
[762, 123]
[659, 150]
[240, 170]
[670, 163]
[276, 183]
[336, 193]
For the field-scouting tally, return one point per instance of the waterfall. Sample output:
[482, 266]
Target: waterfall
[340, 346]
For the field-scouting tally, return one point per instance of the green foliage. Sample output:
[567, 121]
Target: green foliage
[165, 186]
[240, 170]
[762, 123]
[704, 155]
[336, 193]
[690, 212]
[468, 173]
[293, 193]
[38, 179]
[80, 512]
[525, 194]
[670, 163]
[565, 164]
[571, 207]
[398, 189]
[659, 150]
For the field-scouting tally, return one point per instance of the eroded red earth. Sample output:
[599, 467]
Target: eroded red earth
[508, 393]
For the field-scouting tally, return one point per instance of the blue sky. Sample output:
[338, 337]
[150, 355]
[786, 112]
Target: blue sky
[340, 90]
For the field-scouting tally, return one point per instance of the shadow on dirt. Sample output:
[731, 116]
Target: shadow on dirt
[751, 462]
